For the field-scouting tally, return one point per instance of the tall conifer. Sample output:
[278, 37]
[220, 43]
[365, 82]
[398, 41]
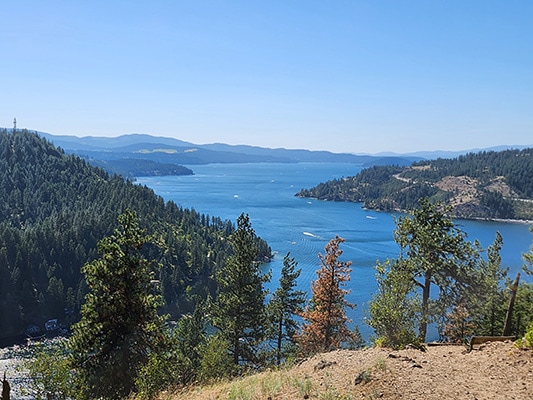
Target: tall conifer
[282, 308]
[119, 325]
[437, 253]
[326, 321]
[238, 311]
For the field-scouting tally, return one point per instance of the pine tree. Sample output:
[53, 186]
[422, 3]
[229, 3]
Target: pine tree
[238, 311]
[119, 326]
[180, 363]
[460, 326]
[489, 307]
[326, 327]
[394, 309]
[437, 253]
[285, 303]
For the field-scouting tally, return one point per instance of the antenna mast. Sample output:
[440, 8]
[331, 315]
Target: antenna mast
[14, 124]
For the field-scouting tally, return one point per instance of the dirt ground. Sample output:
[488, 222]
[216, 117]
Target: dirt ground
[491, 371]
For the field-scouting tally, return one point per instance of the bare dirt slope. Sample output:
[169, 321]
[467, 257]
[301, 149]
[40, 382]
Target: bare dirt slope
[492, 371]
[495, 371]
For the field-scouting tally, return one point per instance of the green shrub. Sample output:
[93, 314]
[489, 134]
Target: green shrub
[160, 373]
[50, 374]
[527, 341]
[216, 362]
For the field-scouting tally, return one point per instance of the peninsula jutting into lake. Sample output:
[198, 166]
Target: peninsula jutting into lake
[484, 185]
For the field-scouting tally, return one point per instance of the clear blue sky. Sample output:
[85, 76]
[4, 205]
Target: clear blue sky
[350, 76]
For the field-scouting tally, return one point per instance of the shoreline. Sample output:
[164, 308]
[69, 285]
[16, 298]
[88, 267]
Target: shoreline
[501, 220]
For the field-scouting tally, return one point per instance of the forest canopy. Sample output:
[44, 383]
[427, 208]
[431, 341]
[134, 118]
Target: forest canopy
[53, 210]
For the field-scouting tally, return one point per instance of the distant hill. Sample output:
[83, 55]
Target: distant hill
[434, 154]
[108, 143]
[131, 168]
[489, 184]
[173, 151]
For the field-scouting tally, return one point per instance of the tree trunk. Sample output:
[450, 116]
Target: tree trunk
[6, 389]
[280, 337]
[509, 317]
[237, 348]
[425, 307]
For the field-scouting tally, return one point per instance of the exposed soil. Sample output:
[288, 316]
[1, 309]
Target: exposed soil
[491, 371]
[464, 188]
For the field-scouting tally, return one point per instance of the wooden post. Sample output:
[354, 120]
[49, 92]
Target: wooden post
[509, 317]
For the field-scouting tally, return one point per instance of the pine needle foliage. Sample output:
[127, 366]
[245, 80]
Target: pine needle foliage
[394, 308]
[325, 327]
[120, 325]
[438, 253]
[238, 312]
[282, 308]
[488, 309]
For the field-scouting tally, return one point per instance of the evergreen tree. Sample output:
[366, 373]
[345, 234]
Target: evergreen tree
[285, 303]
[238, 311]
[460, 325]
[437, 253]
[54, 208]
[489, 308]
[523, 308]
[120, 325]
[394, 309]
[180, 363]
[326, 327]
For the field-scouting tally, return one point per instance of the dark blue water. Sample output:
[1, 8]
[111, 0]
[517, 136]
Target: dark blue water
[304, 226]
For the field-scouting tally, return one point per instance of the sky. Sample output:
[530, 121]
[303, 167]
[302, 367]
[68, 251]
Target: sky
[344, 76]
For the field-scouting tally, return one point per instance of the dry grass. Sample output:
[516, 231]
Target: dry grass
[279, 384]
[495, 371]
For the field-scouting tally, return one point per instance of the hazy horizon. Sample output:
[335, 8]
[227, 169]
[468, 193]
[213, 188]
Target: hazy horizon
[385, 152]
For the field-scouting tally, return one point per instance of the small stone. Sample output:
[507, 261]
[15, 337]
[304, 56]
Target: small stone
[362, 377]
[323, 364]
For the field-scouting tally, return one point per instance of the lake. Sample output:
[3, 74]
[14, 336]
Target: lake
[304, 226]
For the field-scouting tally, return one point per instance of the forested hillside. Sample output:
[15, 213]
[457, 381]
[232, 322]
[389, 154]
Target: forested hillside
[481, 185]
[133, 167]
[53, 210]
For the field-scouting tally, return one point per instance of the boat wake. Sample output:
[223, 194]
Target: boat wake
[311, 235]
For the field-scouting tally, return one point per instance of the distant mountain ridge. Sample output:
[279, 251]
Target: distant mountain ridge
[170, 150]
[143, 154]
[105, 143]
[434, 154]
